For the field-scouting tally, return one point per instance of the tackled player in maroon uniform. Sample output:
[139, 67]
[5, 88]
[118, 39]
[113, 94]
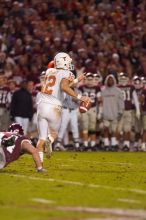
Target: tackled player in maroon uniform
[13, 144]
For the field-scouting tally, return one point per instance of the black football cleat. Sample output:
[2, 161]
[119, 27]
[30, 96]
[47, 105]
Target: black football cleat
[114, 148]
[106, 148]
[125, 148]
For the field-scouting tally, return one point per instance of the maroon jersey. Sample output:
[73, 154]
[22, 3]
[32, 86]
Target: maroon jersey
[143, 105]
[4, 91]
[92, 92]
[12, 150]
[127, 91]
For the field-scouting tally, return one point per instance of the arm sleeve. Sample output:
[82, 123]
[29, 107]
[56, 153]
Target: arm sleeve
[135, 99]
[9, 98]
[121, 104]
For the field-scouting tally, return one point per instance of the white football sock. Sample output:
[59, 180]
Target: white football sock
[41, 156]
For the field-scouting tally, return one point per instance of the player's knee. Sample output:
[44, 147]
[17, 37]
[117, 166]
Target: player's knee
[127, 129]
[85, 132]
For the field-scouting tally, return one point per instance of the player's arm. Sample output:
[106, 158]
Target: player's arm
[100, 106]
[65, 87]
[121, 105]
[98, 97]
[136, 103]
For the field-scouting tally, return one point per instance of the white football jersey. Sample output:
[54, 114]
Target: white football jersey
[51, 91]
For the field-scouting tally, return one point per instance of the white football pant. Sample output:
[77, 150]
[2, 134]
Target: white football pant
[66, 118]
[48, 119]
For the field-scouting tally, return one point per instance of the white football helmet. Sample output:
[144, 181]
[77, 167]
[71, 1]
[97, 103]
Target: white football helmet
[97, 77]
[137, 82]
[89, 79]
[143, 80]
[123, 79]
[63, 61]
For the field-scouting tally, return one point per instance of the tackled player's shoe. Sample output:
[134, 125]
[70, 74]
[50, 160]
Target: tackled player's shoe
[42, 170]
[48, 148]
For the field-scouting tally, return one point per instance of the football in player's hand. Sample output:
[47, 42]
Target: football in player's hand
[84, 107]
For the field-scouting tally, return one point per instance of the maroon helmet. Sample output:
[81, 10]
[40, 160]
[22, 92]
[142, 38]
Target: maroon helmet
[17, 128]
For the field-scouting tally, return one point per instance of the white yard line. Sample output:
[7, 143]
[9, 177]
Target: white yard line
[41, 200]
[113, 218]
[129, 200]
[108, 218]
[65, 165]
[135, 213]
[128, 213]
[140, 191]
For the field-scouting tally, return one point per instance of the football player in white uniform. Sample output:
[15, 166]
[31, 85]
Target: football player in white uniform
[57, 82]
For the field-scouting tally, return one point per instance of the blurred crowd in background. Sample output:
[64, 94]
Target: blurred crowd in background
[101, 37]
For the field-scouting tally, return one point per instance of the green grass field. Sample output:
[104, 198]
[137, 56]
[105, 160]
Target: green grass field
[84, 185]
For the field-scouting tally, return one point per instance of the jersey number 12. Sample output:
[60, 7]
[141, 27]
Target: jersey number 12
[49, 82]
